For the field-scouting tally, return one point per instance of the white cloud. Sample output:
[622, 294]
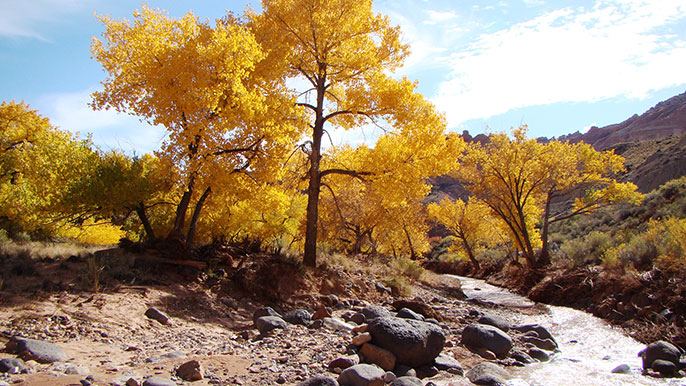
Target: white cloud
[439, 17]
[25, 18]
[110, 130]
[569, 55]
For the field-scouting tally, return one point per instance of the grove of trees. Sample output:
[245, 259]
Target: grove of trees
[247, 103]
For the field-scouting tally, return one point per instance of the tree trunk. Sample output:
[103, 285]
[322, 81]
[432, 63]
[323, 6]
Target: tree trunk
[544, 255]
[149, 232]
[196, 214]
[413, 255]
[181, 209]
[314, 175]
[470, 254]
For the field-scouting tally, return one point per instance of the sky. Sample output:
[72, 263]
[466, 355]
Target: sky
[557, 66]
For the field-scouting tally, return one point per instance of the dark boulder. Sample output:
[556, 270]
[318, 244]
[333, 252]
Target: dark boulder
[319, 380]
[267, 323]
[372, 312]
[495, 321]
[37, 350]
[659, 350]
[487, 373]
[477, 336]
[362, 375]
[414, 343]
[407, 313]
[264, 311]
[301, 317]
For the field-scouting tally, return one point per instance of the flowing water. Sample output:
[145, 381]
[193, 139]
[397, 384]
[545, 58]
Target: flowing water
[589, 347]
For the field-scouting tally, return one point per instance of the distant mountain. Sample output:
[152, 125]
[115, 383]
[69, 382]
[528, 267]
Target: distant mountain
[667, 118]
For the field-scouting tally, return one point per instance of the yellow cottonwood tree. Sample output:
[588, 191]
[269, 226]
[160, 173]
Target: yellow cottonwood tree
[201, 82]
[343, 52]
[519, 179]
[37, 164]
[469, 221]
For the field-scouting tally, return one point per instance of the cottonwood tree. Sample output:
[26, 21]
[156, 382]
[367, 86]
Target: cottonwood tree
[37, 164]
[469, 221]
[519, 178]
[344, 53]
[201, 82]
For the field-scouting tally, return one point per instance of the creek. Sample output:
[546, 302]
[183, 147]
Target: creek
[589, 347]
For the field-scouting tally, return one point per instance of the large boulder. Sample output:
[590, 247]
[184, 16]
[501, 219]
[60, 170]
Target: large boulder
[301, 317]
[414, 343]
[540, 331]
[659, 350]
[477, 336]
[373, 312]
[37, 350]
[267, 323]
[264, 311]
[487, 373]
[319, 380]
[407, 381]
[362, 375]
[495, 321]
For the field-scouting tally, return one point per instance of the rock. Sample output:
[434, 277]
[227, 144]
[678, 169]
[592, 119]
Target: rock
[378, 356]
[336, 324]
[447, 363]
[158, 381]
[132, 382]
[165, 357]
[316, 324]
[492, 338]
[319, 380]
[539, 354]
[413, 342]
[426, 371]
[358, 318]
[372, 312]
[543, 344]
[487, 373]
[495, 321]
[359, 340]
[155, 314]
[71, 369]
[362, 375]
[267, 323]
[344, 362]
[361, 328]
[37, 350]
[665, 367]
[382, 288]
[622, 369]
[486, 354]
[659, 350]
[389, 377]
[417, 305]
[542, 332]
[407, 381]
[264, 311]
[404, 371]
[11, 365]
[190, 371]
[407, 313]
[321, 313]
[300, 317]
[521, 356]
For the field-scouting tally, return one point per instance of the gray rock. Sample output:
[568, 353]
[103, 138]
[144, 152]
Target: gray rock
[157, 381]
[71, 369]
[319, 380]
[542, 332]
[389, 377]
[539, 354]
[301, 317]
[155, 314]
[11, 365]
[543, 344]
[336, 324]
[264, 324]
[362, 375]
[164, 357]
[495, 321]
[407, 313]
[521, 356]
[264, 311]
[492, 338]
[40, 351]
[404, 371]
[447, 363]
[414, 343]
[659, 350]
[487, 373]
[622, 369]
[665, 367]
[372, 312]
[407, 381]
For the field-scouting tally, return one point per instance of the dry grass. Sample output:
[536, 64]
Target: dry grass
[38, 250]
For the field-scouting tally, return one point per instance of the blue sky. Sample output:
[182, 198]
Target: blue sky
[558, 66]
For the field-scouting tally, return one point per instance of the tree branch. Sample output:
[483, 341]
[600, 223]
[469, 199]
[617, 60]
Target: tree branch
[352, 173]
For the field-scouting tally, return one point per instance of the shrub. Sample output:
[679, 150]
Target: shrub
[669, 239]
[408, 268]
